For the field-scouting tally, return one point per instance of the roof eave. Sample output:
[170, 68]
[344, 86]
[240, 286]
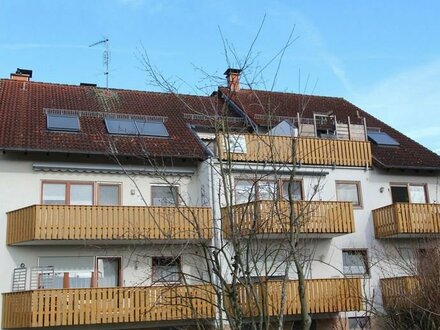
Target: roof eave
[87, 152]
[405, 167]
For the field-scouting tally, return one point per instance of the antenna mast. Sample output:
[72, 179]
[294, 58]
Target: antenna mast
[105, 57]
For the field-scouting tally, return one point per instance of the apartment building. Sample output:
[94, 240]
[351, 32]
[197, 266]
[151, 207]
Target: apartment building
[129, 209]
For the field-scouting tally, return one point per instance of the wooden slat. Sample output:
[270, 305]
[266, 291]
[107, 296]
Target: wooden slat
[75, 222]
[47, 308]
[406, 219]
[315, 151]
[397, 292]
[323, 296]
[272, 217]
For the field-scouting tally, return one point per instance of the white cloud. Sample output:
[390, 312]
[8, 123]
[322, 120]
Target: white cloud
[408, 101]
[312, 34]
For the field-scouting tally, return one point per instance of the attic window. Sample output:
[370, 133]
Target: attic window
[63, 122]
[382, 139]
[135, 127]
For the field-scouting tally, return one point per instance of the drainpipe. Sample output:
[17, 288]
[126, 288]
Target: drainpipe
[217, 238]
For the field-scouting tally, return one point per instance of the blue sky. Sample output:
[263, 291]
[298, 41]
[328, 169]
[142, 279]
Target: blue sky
[383, 56]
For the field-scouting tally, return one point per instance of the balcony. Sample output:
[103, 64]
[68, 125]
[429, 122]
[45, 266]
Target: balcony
[323, 296]
[398, 292]
[407, 220]
[73, 224]
[70, 307]
[308, 151]
[265, 217]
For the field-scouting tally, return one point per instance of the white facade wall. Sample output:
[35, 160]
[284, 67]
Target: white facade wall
[21, 187]
[326, 253]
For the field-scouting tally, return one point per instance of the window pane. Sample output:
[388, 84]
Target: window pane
[151, 128]
[58, 122]
[348, 192]
[54, 193]
[417, 194]
[108, 194]
[79, 268]
[166, 270]
[120, 126]
[296, 190]
[81, 194]
[399, 194]
[358, 323]
[354, 262]
[108, 272]
[244, 191]
[236, 143]
[164, 195]
[267, 190]
[382, 139]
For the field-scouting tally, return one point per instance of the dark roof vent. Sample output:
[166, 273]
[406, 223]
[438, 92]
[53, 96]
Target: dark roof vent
[88, 84]
[24, 72]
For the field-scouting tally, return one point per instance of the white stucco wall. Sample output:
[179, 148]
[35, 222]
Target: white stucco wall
[21, 187]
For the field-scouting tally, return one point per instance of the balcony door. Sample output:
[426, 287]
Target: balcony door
[408, 193]
[108, 270]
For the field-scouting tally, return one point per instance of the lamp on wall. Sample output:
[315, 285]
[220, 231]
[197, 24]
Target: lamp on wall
[381, 189]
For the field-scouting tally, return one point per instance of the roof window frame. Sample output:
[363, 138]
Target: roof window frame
[135, 130]
[59, 128]
[392, 141]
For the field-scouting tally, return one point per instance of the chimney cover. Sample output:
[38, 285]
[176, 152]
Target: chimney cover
[87, 84]
[231, 70]
[24, 71]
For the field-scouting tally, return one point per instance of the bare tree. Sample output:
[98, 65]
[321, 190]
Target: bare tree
[258, 224]
[410, 288]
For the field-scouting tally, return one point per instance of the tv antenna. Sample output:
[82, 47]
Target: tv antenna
[105, 57]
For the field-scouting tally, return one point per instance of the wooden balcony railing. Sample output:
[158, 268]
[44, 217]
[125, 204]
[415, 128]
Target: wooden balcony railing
[406, 219]
[399, 292]
[323, 296]
[272, 217]
[314, 151]
[69, 307]
[74, 222]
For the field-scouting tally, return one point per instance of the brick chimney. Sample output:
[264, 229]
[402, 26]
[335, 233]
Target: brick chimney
[233, 79]
[22, 75]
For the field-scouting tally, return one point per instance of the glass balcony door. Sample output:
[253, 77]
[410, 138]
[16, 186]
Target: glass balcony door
[108, 272]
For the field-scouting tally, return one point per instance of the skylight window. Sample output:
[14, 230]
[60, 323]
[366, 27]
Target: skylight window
[135, 127]
[63, 122]
[382, 139]
[151, 128]
[120, 126]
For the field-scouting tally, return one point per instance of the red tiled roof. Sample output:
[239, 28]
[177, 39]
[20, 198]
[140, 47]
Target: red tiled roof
[259, 104]
[23, 120]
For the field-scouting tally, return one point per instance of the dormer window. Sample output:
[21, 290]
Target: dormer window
[63, 122]
[127, 126]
